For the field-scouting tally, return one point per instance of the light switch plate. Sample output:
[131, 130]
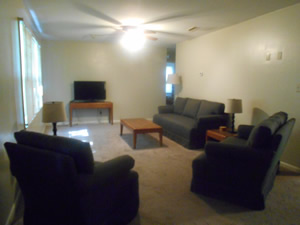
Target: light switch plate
[279, 55]
[268, 56]
[298, 88]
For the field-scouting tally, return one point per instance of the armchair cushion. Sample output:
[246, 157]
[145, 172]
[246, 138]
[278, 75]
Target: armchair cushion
[191, 107]
[78, 150]
[261, 134]
[244, 131]
[233, 152]
[179, 105]
[281, 117]
[105, 173]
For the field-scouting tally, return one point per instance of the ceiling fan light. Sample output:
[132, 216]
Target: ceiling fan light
[133, 39]
[132, 22]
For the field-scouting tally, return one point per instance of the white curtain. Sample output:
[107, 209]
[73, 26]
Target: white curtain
[32, 88]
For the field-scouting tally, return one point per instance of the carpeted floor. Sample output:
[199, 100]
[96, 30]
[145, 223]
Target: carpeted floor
[164, 181]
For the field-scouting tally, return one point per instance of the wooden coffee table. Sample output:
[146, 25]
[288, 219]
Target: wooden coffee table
[141, 126]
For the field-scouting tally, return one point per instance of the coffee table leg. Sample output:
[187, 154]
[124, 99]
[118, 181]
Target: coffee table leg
[121, 129]
[160, 138]
[134, 139]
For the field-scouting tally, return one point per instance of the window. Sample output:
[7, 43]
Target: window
[31, 75]
[169, 70]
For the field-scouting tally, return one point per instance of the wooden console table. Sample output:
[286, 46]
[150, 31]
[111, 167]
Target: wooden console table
[91, 105]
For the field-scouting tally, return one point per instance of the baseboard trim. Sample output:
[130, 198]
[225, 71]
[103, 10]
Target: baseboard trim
[12, 212]
[290, 167]
[11, 215]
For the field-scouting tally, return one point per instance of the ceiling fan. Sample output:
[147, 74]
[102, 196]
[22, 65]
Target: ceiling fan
[129, 28]
[126, 27]
[117, 26]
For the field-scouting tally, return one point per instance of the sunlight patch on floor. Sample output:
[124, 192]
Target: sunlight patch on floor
[79, 133]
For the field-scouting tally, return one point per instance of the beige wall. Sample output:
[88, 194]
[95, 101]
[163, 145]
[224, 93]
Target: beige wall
[9, 109]
[234, 64]
[10, 97]
[134, 81]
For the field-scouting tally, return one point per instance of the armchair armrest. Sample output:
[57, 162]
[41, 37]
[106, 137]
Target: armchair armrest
[212, 121]
[244, 131]
[114, 167]
[166, 109]
[238, 153]
[105, 172]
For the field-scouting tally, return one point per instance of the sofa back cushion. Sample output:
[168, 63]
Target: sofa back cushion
[261, 135]
[179, 105]
[209, 108]
[80, 151]
[191, 107]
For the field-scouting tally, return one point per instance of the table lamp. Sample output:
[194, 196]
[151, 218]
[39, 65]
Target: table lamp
[173, 79]
[233, 106]
[54, 112]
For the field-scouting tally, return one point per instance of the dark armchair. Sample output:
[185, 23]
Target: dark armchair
[242, 169]
[61, 183]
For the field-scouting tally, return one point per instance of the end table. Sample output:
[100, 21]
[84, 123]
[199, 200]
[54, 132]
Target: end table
[218, 135]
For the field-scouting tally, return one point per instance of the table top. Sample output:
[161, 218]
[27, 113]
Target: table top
[221, 132]
[140, 124]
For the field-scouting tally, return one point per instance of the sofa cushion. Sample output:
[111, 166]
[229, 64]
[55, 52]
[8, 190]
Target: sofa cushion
[179, 105]
[191, 107]
[261, 134]
[207, 108]
[80, 151]
[179, 124]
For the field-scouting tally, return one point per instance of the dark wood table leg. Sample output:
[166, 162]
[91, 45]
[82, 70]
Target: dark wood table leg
[160, 138]
[111, 119]
[70, 116]
[134, 139]
[121, 129]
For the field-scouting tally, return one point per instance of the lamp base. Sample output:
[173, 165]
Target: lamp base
[232, 124]
[54, 129]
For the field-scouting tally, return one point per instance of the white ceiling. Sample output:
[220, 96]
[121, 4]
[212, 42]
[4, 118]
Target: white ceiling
[100, 20]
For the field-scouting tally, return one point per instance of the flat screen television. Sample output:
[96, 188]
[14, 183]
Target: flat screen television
[89, 90]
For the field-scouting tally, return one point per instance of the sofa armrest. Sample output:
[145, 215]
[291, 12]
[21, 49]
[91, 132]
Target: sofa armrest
[235, 153]
[212, 121]
[165, 109]
[244, 131]
[105, 173]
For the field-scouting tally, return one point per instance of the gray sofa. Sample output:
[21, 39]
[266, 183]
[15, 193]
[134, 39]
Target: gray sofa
[188, 119]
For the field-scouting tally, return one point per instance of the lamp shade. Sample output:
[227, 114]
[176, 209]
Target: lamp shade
[54, 112]
[234, 106]
[173, 79]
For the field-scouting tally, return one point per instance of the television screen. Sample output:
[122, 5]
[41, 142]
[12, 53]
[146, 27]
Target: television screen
[89, 90]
